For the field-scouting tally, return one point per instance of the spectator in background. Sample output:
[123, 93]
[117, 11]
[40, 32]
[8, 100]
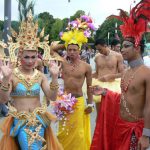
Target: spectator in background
[147, 59]
[116, 45]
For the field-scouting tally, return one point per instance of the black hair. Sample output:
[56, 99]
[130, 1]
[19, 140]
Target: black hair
[100, 42]
[73, 44]
[114, 42]
[141, 44]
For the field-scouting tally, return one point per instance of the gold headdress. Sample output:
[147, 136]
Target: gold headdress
[2, 54]
[27, 39]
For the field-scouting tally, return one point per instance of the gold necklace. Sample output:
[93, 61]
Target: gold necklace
[73, 66]
[27, 80]
[124, 89]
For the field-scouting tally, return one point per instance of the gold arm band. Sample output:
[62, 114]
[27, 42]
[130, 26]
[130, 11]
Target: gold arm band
[54, 86]
[4, 87]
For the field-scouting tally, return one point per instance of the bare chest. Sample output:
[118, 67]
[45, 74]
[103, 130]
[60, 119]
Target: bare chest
[106, 62]
[133, 83]
[75, 71]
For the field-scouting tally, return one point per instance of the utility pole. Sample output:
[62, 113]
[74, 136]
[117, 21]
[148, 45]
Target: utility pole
[7, 22]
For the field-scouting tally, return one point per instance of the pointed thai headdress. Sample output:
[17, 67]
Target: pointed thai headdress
[28, 39]
[2, 53]
[136, 24]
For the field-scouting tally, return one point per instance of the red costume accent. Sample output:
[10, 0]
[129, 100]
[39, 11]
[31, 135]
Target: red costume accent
[112, 132]
[135, 24]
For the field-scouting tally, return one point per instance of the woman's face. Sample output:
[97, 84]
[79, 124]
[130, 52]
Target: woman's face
[28, 59]
[127, 50]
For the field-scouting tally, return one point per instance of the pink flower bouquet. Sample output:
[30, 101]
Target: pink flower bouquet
[64, 105]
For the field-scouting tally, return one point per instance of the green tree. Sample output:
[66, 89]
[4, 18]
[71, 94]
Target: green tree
[24, 6]
[147, 37]
[57, 27]
[77, 15]
[1, 25]
[15, 25]
[65, 23]
[108, 26]
[45, 21]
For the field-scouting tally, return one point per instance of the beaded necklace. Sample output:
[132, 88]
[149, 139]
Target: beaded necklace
[124, 89]
[74, 66]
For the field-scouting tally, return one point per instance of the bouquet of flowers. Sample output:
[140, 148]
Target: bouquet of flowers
[64, 105]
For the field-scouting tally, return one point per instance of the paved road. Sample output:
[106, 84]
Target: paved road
[54, 125]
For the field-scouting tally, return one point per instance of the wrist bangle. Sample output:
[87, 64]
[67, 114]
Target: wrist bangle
[4, 87]
[90, 105]
[54, 86]
[104, 92]
[146, 132]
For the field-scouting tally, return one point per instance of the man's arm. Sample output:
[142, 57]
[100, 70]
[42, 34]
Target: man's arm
[147, 104]
[120, 66]
[90, 104]
[55, 47]
[144, 141]
[95, 74]
[89, 83]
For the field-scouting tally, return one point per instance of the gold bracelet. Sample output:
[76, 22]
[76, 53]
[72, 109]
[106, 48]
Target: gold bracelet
[4, 87]
[54, 86]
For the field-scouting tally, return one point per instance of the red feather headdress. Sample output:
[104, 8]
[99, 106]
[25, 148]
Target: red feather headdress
[136, 23]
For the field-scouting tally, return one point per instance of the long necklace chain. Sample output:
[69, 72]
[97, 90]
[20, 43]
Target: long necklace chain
[124, 89]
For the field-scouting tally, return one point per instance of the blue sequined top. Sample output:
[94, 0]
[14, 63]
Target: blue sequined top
[21, 90]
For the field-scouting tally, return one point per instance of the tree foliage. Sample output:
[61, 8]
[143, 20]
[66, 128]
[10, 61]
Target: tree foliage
[56, 28]
[15, 25]
[1, 25]
[45, 21]
[24, 6]
[77, 15]
[108, 26]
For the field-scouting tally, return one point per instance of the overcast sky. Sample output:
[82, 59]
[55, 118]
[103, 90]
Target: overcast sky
[98, 9]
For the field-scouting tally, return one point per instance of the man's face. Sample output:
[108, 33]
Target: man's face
[117, 48]
[73, 51]
[101, 49]
[28, 59]
[128, 50]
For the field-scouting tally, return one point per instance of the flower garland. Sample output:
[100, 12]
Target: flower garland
[64, 105]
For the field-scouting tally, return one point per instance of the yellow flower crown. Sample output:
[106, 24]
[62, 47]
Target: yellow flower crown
[78, 31]
[74, 37]
[27, 39]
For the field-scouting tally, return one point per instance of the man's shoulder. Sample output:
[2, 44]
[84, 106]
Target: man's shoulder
[83, 63]
[98, 55]
[117, 55]
[145, 72]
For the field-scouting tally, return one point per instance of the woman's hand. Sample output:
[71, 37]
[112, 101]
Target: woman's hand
[54, 68]
[5, 69]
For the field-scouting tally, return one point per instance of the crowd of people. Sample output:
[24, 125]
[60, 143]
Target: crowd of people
[119, 87]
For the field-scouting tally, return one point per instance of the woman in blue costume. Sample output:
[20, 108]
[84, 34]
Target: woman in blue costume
[28, 125]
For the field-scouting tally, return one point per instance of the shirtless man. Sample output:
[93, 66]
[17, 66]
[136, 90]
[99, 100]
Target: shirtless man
[74, 72]
[115, 45]
[134, 106]
[109, 66]
[124, 120]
